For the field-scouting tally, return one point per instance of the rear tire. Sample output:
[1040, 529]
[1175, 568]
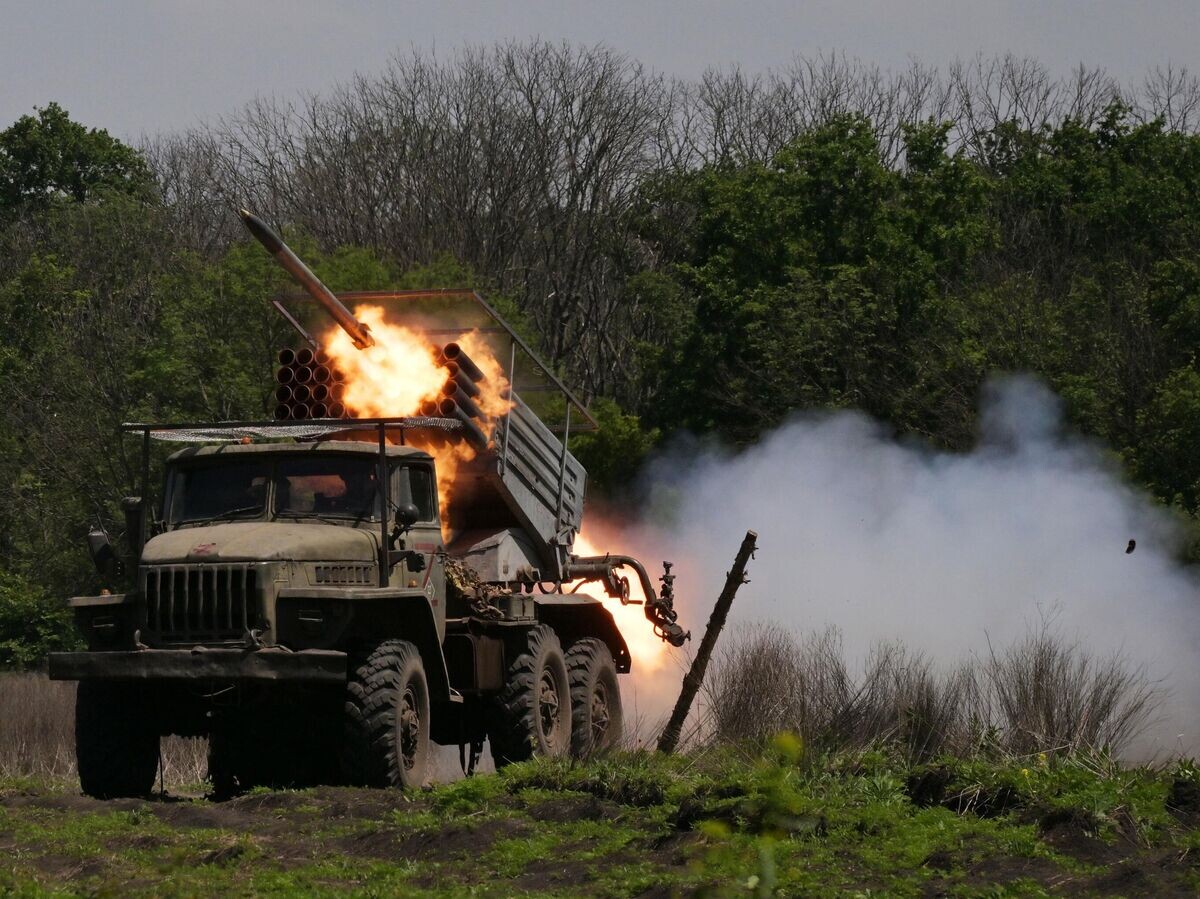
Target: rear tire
[597, 724]
[116, 747]
[387, 719]
[532, 715]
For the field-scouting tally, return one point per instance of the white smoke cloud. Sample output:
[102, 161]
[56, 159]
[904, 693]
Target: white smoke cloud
[889, 539]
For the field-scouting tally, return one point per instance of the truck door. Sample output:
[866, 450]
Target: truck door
[415, 483]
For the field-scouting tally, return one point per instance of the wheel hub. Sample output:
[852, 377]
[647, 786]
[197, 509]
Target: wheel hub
[599, 714]
[548, 707]
[410, 728]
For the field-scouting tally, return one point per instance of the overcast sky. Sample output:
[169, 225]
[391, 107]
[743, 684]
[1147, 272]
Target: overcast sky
[138, 67]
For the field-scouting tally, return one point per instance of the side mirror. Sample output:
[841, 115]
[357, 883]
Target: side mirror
[103, 555]
[407, 515]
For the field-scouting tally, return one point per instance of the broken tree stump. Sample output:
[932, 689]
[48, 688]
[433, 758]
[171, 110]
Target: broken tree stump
[695, 676]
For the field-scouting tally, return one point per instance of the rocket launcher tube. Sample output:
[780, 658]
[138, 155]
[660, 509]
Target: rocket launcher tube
[359, 333]
[452, 352]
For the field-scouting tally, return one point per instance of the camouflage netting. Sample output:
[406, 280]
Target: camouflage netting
[308, 430]
[463, 583]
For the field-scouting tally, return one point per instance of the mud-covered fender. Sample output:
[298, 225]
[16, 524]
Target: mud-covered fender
[578, 616]
[362, 617]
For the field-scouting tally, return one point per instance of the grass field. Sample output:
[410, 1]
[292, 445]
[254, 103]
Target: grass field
[900, 782]
[718, 823]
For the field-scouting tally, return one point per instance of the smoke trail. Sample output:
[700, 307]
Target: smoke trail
[888, 539]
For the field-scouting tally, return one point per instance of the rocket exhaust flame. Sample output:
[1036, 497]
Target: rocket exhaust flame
[404, 373]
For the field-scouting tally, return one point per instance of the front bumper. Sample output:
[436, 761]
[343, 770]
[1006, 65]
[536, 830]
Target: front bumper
[311, 666]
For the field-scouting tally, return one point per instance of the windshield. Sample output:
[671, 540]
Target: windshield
[231, 490]
[316, 486]
[327, 486]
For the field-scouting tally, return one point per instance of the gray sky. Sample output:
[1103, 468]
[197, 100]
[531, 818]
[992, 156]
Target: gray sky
[139, 67]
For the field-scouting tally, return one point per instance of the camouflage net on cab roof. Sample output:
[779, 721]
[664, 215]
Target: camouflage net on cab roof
[306, 431]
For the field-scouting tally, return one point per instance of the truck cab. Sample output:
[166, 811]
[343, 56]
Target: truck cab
[247, 530]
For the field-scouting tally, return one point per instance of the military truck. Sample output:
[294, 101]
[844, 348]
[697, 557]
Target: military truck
[296, 597]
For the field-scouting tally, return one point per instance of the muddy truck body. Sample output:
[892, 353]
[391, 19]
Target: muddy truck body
[295, 596]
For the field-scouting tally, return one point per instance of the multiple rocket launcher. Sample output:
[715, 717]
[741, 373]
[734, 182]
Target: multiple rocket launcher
[310, 385]
[531, 474]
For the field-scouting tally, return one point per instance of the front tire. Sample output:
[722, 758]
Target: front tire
[597, 724]
[387, 719]
[533, 712]
[116, 746]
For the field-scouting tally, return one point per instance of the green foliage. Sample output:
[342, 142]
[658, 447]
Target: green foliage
[48, 156]
[32, 623]
[819, 280]
[828, 278]
[614, 454]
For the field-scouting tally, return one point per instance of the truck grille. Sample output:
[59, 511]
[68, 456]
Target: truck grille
[200, 603]
[343, 574]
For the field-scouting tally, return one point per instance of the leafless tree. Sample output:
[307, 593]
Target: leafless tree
[525, 161]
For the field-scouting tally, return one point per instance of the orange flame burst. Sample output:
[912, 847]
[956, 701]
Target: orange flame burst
[399, 374]
[649, 653]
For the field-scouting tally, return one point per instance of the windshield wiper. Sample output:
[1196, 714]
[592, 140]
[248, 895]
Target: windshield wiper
[240, 510]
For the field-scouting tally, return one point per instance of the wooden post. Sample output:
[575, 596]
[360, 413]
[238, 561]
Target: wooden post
[695, 676]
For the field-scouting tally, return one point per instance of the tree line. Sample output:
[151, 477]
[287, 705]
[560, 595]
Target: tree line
[703, 256]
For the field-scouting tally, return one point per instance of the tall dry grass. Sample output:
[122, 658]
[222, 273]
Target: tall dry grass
[37, 734]
[1043, 693]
